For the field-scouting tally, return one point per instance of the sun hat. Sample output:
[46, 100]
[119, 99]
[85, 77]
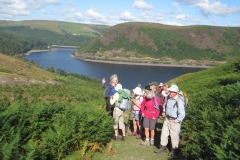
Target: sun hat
[153, 84]
[137, 91]
[118, 86]
[174, 88]
[160, 84]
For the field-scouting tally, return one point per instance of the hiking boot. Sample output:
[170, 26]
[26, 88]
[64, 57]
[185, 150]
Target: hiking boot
[133, 134]
[145, 143]
[115, 138]
[172, 153]
[139, 136]
[124, 138]
[161, 149]
[152, 142]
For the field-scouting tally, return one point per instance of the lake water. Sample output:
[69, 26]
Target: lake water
[129, 75]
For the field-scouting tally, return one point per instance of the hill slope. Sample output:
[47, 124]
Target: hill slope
[167, 43]
[22, 36]
[212, 123]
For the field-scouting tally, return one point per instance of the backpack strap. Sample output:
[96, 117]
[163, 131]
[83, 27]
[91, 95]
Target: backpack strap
[156, 105]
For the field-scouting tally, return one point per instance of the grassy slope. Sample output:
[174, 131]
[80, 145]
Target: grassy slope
[59, 26]
[18, 68]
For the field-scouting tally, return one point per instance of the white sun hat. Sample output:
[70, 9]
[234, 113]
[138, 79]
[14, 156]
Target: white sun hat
[174, 88]
[118, 86]
[137, 91]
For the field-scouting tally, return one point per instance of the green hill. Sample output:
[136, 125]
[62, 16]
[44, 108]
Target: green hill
[156, 42]
[212, 124]
[22, 36]
[47, 116]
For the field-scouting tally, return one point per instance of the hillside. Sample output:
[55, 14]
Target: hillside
[139, 41]
[58, 27]
[22, 36]
[60, 120]
[47, 116]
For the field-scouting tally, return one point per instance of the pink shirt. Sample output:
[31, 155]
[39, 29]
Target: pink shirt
[139, 100]
[148, 109]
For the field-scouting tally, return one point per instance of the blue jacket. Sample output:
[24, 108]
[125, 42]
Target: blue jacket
[110, 91]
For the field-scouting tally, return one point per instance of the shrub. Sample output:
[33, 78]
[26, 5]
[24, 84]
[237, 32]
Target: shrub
[53, 131]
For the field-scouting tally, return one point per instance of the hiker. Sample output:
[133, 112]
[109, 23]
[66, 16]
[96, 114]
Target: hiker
[118, 113]
[160, 91]
[174, 111]
[165, 91]
[151, 108]
[109, 92]
[136, 112]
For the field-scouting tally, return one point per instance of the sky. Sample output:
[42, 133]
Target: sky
[112, 12]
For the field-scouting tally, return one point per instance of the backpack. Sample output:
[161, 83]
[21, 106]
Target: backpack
[183, 96]
[124, 104]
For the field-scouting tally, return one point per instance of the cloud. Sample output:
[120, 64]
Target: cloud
[126, 16]
[79, 16]
[159, 17]
[183, 17]
[140, 4]
[68, 10]
[211, 7]
[13, 8]
[172, 23]
[146, 15]
[96, 16]
[177, 6]
[37, 4]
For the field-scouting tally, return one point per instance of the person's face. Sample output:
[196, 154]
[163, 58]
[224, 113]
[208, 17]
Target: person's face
[153, 88]
[114, 81]
[172, 94]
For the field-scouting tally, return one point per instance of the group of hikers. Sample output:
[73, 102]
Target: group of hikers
[147, 105]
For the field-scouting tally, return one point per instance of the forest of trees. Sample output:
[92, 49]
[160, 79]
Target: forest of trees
[20, 39]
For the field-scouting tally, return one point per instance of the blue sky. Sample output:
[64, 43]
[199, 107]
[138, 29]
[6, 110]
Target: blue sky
[112, 12]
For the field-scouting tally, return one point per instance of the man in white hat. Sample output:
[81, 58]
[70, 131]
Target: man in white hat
[174, 112]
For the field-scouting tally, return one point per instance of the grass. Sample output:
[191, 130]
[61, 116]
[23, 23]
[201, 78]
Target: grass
[12, 68]
[131, 149]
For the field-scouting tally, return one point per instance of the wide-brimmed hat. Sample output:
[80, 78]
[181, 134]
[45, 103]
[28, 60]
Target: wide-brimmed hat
[160, 84]
[137, 91]
[118, 86]
[173, 88]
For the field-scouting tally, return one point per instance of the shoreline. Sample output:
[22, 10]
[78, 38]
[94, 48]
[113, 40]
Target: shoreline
[141, 64]
[34, 51]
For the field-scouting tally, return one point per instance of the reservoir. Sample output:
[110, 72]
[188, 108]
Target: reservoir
[129, 75]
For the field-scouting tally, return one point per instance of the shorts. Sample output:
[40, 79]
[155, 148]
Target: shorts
[137, 117]
[149, 123]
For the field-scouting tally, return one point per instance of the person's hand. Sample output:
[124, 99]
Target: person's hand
[111, 97]
[153, 117]
[163, 114]
[142, 114]
[103, 80]
[173, 121]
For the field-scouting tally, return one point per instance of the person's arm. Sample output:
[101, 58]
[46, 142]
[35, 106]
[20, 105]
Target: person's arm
[143, 105]
[136, 102]
[181, 111]
[104, 85]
